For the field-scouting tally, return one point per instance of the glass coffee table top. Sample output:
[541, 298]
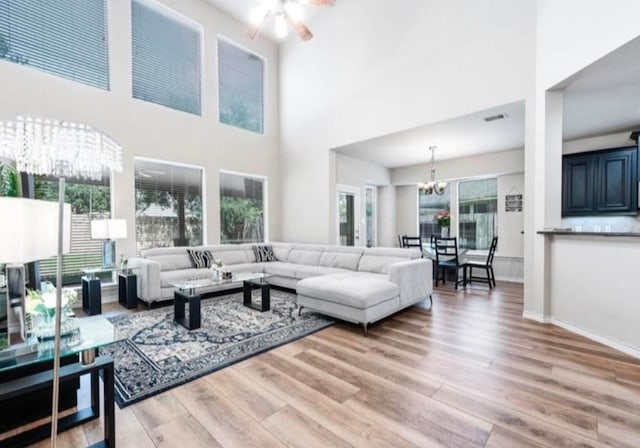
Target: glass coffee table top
[192, 286]
[93, 332]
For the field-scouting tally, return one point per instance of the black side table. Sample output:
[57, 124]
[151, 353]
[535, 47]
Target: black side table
[128, 289]
[257, 283]
[91, 295]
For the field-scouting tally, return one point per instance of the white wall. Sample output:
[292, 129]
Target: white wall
[406, 210]
[595, 298]
[387, 235]
[380, 67]
[150, 130]
[360, 174]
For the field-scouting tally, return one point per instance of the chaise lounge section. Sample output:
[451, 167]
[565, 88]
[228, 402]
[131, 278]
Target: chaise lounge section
[359, 285]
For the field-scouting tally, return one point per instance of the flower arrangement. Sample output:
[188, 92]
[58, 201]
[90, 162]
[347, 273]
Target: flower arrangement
[44, 302]
[443, 218]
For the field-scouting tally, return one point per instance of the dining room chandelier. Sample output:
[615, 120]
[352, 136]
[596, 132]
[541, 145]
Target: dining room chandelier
[287, 14]
[433, 186]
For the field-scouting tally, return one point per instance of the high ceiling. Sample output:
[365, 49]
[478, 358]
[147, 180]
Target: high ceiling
[601, 99]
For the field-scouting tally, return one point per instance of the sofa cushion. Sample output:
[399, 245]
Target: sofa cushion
[174, 262]
[303, 271]
[264, 253]
[377, 264]
[282, 250]
[181, 275]
[351, 289]
[232, 255]
[308, 257]
[280, 269]
[244, 267]
[201, 258]
[340, 260]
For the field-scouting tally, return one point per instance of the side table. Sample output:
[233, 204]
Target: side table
[91, 295]
[127, 289]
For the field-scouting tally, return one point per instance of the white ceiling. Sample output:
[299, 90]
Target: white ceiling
[459, 137]
[603, 98]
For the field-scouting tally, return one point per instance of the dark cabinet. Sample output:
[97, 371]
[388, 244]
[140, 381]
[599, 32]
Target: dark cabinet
[600, 182]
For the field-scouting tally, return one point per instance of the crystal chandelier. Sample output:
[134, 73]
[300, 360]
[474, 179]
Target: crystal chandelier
[433, 186]
[58, 148]
[62, 149]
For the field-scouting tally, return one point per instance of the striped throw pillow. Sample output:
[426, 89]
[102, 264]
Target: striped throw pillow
[201, 258]
[264, 253]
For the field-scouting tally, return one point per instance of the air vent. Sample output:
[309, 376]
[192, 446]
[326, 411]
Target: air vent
[495, 117]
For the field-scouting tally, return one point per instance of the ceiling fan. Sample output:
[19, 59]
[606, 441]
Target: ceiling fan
[287, 13]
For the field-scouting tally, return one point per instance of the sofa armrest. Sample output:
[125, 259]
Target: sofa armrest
[148, 278]
[414, 279]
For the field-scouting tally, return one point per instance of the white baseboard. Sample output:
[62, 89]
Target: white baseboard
[620, 346]
[538, 317]
[509, 279]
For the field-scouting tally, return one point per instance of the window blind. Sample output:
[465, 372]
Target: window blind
[166, 57]
[67, 38]
[240, 88]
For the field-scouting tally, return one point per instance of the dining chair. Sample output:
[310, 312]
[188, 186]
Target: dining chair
[401, 240]
[487, 265]
[447, 260]
[414, 242]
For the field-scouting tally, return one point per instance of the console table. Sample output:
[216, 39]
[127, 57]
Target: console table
[94, 332]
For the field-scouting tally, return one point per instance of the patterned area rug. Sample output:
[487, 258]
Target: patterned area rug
[159, 354]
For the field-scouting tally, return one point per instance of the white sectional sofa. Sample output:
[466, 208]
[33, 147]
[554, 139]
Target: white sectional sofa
[360, 285]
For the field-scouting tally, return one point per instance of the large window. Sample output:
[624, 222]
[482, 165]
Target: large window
[242, 208]
[168, 204]
[89, 200]
[428, 207]
[67, 38]
[166, 57]
[240, 87]
[478, 209]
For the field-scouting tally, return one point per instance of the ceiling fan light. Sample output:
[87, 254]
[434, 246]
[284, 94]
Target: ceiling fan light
[294, 10]
[256, 15]
[281, 27]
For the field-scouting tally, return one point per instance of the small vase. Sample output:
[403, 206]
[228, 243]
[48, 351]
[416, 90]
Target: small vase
[444, 232]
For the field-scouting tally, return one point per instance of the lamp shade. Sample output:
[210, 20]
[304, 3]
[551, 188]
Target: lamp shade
[108, 229]
[30, 230]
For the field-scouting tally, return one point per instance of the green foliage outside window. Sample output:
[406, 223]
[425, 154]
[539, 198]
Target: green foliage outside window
[242, 220]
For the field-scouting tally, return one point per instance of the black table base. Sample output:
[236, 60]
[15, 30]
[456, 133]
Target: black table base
[192, 322]
[248, 286]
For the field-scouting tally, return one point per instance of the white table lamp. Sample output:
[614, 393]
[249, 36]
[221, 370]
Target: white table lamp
[108, 230]
[24, 239]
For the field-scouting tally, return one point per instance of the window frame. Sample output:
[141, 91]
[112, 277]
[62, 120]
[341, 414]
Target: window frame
[182, 17]
[221, 37]
[106, 38]
[265, 198]
[458, 221]
[203, 193]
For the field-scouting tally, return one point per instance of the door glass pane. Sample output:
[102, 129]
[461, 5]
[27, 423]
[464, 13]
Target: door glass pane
[346, 207]
[370, 218]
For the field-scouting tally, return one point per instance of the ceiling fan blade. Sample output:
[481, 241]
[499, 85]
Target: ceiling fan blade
[322, 2]
[300, 28]
[254, 29]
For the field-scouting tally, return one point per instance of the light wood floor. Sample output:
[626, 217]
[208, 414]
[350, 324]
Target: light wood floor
[469, 373]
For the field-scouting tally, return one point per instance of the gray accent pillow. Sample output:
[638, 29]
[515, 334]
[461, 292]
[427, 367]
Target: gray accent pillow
[264, 253]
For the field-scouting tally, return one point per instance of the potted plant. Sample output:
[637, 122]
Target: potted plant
[443, 218]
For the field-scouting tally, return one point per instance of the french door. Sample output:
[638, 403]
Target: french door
[348, 216]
